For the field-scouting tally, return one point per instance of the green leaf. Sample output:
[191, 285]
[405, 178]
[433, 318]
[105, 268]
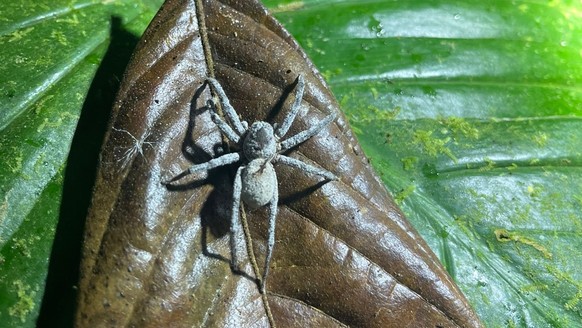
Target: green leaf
[51, 51]
[471, 113]
[469, 110]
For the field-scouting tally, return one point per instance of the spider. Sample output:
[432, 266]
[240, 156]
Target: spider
[261, 144]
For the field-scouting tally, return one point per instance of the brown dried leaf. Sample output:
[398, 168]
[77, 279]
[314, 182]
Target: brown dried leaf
[158, 256]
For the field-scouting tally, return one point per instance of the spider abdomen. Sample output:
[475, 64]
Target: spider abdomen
[258, 183]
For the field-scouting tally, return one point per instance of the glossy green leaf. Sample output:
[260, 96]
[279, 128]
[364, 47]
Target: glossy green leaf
[470, 110]
[51, 51]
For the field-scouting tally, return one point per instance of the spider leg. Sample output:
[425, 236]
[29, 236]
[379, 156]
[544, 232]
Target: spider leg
[215, 162]
[271, 240]
[304, 135]
[305, 167]
[284, 127]
[236, 237]
[228, 109]
[222, 125]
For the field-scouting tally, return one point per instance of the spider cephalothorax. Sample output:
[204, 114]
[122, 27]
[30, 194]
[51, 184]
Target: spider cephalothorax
[261, 145]
[260, 141]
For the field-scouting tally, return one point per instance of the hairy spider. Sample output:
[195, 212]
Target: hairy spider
[255, 182]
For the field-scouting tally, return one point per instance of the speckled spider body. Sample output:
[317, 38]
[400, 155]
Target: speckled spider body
[255, 182]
